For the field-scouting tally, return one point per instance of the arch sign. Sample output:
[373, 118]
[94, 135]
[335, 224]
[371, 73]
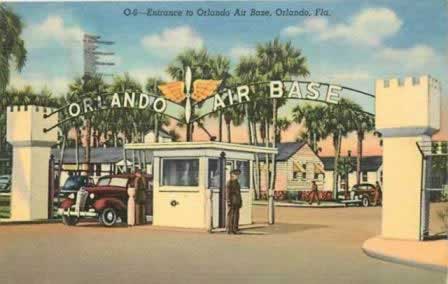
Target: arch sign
[178, 103]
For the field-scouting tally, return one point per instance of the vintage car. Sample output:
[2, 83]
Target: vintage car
[364, 193]
[107, 200]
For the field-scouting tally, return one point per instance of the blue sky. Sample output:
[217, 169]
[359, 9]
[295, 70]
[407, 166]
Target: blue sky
[361, 41]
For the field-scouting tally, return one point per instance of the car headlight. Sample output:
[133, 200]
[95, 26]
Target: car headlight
[92, 196]
[71, 196]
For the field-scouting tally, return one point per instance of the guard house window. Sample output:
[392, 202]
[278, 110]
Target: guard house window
[364, 176]
[244, 179]
[213, 173]
[180, 172]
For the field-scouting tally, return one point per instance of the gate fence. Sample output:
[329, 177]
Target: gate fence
[434, 204]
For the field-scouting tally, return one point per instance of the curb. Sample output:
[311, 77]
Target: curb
[393, 259]
[6, 222]
[298, 205]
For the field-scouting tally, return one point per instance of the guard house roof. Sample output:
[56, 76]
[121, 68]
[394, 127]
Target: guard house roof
[110, 155]
[286, 150]
[201, 145]
[368, 163]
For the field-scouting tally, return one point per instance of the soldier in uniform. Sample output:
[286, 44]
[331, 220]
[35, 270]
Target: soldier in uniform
[314, 193]
[140, 197]
[234, 202]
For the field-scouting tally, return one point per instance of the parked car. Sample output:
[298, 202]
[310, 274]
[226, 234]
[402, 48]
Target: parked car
[5, 183]
[363, 192]
[73, 183]
[107, 200]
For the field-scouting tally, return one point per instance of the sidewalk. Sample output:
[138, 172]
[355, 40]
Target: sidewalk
[301, 204]
[423, 254]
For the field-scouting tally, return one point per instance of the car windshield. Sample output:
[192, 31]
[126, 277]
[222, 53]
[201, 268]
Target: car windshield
[103, 181]
[74, 181]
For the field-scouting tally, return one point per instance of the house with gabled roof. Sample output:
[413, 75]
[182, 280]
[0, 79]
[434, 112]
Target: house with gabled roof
[371, 171]
[297, 166]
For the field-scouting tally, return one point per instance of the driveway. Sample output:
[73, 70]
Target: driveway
[305, 246]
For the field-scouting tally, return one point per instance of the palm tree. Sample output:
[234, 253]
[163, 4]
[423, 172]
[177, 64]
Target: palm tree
[339, 121]
[282, 125]
[91, 86]
[311, 116]
[363, 123]
[199, 63]
[345, 167]
[12, 46]
[220, 70]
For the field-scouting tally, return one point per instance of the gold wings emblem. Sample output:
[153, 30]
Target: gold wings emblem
[202, 89]
[173, 91]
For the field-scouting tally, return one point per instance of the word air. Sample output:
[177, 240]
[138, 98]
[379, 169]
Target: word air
[279, 89]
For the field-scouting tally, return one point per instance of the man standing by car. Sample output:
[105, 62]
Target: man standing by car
[234, 202]
[140, 197]
[314, 193]
[378, 194]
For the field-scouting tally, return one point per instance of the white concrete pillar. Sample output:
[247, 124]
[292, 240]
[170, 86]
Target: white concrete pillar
[406, 113]
[31, 153]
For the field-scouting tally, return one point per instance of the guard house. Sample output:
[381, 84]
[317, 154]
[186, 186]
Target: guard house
[190, 177]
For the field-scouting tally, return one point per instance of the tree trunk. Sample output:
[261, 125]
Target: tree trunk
[220, 126]
[87, 147]
[77, 150]
[229, 132]
[274, 167]
[359, 157]
[336, 162]
[156, 127]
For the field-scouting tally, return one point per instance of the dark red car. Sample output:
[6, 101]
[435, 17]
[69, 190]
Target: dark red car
[107, 201]
[364, 193]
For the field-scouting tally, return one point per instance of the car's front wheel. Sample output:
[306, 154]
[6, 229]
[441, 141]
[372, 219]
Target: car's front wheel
[109, 217]
[365, 201]
[70, 220]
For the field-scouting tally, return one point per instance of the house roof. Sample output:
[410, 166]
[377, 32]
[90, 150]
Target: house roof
[368, 163]
[286, 150]
[101, 155]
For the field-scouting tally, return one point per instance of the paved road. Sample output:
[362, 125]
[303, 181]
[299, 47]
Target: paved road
[306, 246]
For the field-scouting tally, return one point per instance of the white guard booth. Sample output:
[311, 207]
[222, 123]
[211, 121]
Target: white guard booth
[189, 181]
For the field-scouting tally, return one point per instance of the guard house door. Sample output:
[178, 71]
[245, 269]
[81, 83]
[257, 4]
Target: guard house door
[217, 185]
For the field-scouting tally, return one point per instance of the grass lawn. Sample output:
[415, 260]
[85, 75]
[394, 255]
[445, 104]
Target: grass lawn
[4, 206]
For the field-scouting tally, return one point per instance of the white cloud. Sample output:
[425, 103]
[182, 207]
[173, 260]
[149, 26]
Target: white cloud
[57, 85]
[240, 51]
[53, 29]
[369, 27]
[410, 58]
[172, 40]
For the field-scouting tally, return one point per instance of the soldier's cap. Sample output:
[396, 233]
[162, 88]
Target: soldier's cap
[235, 172]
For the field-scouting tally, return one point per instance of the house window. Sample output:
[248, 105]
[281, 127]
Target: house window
[316, 176]
[295, 175]
[213, 173]
[304, 175]
[364, 177]
[244, 179]
[180, 172]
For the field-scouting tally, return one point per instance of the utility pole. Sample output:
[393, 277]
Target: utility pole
[91, 56]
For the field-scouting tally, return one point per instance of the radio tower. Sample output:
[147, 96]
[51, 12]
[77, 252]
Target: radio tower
[91, 62]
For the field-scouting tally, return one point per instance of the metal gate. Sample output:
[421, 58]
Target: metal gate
[434, 204]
